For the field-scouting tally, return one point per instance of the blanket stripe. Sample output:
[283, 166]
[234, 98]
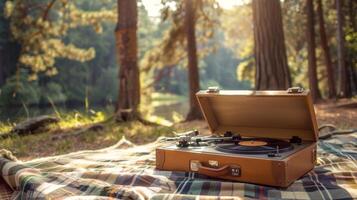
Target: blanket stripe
[129, 173]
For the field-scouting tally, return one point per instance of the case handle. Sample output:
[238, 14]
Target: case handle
[224, 170]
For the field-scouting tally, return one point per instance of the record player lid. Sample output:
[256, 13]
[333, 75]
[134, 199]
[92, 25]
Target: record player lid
[273, 114]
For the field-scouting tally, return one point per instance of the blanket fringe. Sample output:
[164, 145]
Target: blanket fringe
[122, 144]
[7, 154]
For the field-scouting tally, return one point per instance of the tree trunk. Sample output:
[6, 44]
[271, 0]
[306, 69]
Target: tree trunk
[326, 50]
[311, 47]
[2, 77]
[126, 45]
[352, 13]
[344, 86]
[272, 71]
[352, 59]
[193, 76]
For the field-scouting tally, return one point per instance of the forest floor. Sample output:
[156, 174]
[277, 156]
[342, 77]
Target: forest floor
[342, 114]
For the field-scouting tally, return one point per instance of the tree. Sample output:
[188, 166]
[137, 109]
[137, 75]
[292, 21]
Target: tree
[272, 71]
[193, 77]
[344, 85]
[351, 40]
[39, 27]
[311, 47]
[326, 51]
[240, 40]
[190, 21]
[126, 45]
[352, 6]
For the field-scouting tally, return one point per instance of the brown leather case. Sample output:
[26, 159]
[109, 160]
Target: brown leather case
[270, 114]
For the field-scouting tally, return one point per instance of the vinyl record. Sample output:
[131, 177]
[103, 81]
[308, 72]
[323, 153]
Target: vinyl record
[255, 146]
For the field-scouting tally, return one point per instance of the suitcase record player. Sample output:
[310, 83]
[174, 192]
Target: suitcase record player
[262, 137]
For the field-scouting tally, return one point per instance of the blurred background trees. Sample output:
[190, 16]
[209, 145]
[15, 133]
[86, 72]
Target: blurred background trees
[311, 51]
[65, 53]
[326, 51]
[192, 22]
[272, 71]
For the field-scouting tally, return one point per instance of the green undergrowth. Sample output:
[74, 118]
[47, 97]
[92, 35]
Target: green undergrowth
[5, 127]
[44, 142]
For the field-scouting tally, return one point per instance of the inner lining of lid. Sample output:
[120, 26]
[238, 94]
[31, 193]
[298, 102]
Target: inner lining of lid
[259, 116]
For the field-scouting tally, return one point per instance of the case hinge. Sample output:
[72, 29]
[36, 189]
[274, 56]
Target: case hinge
[295, 90]
[213, 89]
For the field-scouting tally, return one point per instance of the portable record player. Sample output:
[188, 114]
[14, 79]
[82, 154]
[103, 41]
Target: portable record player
[262, 137]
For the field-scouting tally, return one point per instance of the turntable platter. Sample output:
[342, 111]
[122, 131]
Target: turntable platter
[252, 143]
[255, 146]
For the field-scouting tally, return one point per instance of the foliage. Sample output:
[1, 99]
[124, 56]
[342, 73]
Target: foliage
[171, 50]
[226, 57]
[218, 68]
[18, 91]
[294, 20]
[351, 39]
[8, 48]
[5, 128]
[96, 79]
[84, 77]
[39, 27]
[106, 87]
[78, 119]
[238, 31]
[237, 26]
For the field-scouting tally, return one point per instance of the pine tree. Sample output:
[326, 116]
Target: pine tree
[344, 83]
[326, 51]
[193, 77]
[126, 45]
[272, 71]
[311, 47]
[41, 26]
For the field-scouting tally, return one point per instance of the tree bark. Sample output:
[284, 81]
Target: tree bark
[2, 77]
[272, 71]
[344, 86]
[311, 47]
[352, 59]
[326, 50]
[352, 13]
[193, 75]
[126, 45]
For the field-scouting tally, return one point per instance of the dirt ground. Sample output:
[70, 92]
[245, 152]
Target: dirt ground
[342, 114]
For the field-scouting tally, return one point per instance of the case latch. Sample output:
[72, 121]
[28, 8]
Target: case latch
[295, 90]
[214, 89]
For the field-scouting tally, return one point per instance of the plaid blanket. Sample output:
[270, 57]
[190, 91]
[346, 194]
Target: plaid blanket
[125, 171]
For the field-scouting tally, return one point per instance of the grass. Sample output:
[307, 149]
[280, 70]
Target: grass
[158, 99]
[5, 127]
[41, 143]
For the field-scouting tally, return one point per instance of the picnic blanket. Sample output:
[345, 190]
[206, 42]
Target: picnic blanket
[126, 171]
